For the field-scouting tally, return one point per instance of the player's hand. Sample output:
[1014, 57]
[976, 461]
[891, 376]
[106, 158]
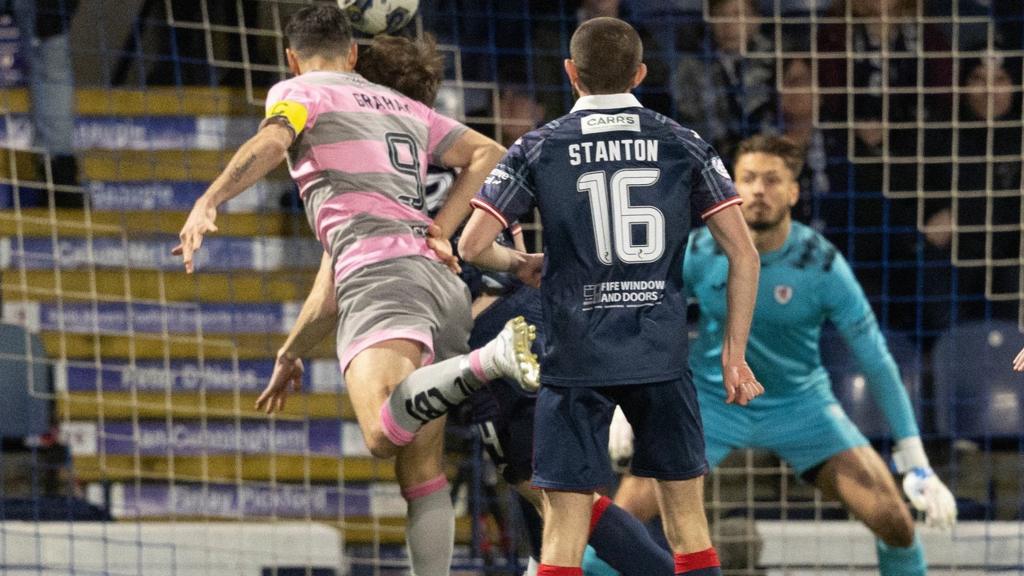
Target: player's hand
[442, 247]
[929, 495]
[287, 373]
[620, 438]
[529, 270]
[200, 221]
[1018, 362]
[741, 386]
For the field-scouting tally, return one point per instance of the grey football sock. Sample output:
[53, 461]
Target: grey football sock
[428, 394]
[430, 532]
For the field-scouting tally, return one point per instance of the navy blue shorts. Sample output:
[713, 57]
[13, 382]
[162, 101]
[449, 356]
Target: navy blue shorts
[502, 411]
[571, 434]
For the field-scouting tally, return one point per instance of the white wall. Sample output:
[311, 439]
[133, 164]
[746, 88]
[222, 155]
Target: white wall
[165, 549]
[797, 547]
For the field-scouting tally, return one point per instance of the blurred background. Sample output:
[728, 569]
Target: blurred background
[126, 387]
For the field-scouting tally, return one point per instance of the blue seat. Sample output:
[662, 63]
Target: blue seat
[25, 384]
[851, 387]
[977, 394]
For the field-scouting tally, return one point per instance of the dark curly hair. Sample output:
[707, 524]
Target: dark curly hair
[321, 30]
[412, 67]
[789, 152]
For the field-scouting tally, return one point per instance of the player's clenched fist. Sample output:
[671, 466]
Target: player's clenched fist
[741, 386]
[201, 220]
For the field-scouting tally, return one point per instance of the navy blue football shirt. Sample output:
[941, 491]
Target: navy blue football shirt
[614, 183]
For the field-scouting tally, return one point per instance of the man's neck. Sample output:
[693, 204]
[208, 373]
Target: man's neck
[318, 64]
[773, 238]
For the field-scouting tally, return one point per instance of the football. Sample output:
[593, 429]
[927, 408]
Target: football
[379, 16]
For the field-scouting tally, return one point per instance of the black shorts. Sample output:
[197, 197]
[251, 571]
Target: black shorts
[571, 433]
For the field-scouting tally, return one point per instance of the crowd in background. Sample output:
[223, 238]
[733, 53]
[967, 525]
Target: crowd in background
[882, 94]
[909, 111]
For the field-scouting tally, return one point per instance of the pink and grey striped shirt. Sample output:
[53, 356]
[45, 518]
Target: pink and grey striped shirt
[360, 160]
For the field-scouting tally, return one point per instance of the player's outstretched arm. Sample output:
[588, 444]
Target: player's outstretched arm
[254, 160]
[317, 319]
[476, 155]
[730, 232]
[848, 308]
[477, 246]
[1018, 362]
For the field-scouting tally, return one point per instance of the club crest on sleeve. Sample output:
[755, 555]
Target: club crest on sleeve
[719, 167]
[783, 294]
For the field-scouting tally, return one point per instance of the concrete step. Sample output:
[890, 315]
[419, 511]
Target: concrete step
[226, 468]
[148, 133]
[155, 101]
[66, 223]
[130, 165]
[157, 347]
[73, 286]
[92, 406]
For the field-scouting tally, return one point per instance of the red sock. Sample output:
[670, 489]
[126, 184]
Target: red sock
[597, 511]
[696, 561]
[547, 570]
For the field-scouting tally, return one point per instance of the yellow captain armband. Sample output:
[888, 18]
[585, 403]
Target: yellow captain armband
[292, 111]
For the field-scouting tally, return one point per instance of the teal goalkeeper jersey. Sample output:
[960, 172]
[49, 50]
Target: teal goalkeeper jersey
[803, 284]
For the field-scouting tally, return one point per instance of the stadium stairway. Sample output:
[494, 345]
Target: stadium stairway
[156, 371]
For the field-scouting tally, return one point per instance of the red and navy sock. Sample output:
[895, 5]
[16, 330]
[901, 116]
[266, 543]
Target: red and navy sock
[624, 543]
[703, 563]
[547, 570]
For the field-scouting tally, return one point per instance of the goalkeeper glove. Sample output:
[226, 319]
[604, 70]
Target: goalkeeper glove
[924, 489]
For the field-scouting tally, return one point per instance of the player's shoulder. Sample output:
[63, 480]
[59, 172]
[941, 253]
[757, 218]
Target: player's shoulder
[688, 137]
[284, 86]
[567, 124]
[529, 143]
[811, 250]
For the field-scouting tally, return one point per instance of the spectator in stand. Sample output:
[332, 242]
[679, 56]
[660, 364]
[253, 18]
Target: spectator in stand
[874, 28]
[798, 106]
[43, 29]
[728, 91]
[551, 28]
[883, 41]
[519, 113]
[985, 182]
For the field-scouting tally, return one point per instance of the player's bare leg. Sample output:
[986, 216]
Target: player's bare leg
[637, 496]
[370, 378]
[566, 527]
[394, 398]
[686, 527]
[618, 538]
[682, 511]
[430, 524]
[861, 481]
